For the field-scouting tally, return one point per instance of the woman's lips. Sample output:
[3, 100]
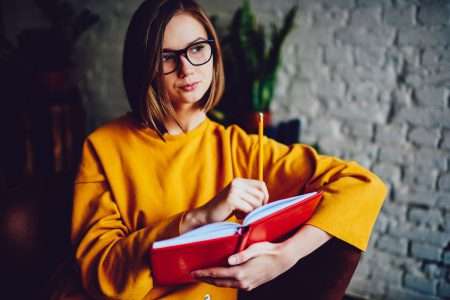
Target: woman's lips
[189, 87]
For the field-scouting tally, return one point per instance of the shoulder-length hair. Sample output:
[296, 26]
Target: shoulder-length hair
[142, 70]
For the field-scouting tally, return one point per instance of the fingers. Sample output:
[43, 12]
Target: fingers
[254, 250]
[251, 200]
[224, 277]
[214, 273]
[234, 277]
[256, 188]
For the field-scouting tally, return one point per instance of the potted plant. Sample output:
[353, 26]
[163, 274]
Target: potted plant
[251, 64]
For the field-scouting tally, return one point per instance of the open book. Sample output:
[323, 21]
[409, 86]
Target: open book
[173, 260]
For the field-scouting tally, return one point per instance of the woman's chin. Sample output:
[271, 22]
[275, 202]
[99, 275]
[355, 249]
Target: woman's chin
[190, 97]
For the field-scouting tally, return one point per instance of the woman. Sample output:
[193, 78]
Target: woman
[165, 168]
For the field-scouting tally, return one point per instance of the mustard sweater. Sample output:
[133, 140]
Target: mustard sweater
[132, 189]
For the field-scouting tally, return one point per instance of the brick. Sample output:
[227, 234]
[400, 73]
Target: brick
[362, 110]
[388, 274]
[444, 182]
[395, 210]
[443, 289]
[384, 78]
[435, 59]
[431, 96]
[342, 4]
[388, 172]
[401, 154]
[393, 245]
[430, 217]
[447, 220]
[381, 224]
[330, 18]
[423, 36]
[402, 96]
[360, 287]
[329, 89]
[446, 258]
[428, 252]
[429, 158]
[420, 284]
[379, 36]
[303, 101]
[314, 35]
[412, 195]
[417, 234]
[434, 270]
[332, 129]
[424, 136]
[365, 91]
[400, 293]
[357, 129]
[434, 13]
[390, 134]
[369, 16]
[363, 271]
[443, 200]
[427, 117]
[422, 177]
[396, 58]
[403, 16]
[338, 54]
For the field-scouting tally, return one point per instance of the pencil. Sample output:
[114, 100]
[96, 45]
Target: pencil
[261, 153]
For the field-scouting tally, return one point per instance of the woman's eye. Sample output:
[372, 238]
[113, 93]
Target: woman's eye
[167, 57]
[197, 48]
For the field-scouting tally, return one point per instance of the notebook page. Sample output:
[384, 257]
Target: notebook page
[206, 232]
[274, 206]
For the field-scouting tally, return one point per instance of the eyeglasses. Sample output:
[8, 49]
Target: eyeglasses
[198, 53]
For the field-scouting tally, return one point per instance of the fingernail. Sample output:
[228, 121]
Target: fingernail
[232, 260]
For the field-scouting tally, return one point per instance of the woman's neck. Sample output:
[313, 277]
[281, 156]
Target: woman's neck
[188, 118]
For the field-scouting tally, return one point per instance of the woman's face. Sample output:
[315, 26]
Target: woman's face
[188, 83]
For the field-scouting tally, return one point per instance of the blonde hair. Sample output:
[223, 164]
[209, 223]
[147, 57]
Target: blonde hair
[142, 72]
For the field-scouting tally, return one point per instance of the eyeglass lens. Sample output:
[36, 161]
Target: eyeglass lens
[197, 54]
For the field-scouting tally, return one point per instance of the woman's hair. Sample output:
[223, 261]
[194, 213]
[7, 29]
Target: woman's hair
[142, 70]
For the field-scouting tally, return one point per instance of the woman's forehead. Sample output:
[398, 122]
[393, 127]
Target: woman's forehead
[182, 30]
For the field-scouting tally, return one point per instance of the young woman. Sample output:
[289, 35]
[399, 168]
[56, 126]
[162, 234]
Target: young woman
[165, 168]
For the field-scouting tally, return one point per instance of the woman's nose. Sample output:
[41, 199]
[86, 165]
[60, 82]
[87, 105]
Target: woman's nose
[185, 67]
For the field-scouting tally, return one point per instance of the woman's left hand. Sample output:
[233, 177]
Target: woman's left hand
[256, 265]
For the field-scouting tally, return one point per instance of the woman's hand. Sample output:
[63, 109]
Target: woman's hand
[262, 262]
[241, 196]
[256, 265]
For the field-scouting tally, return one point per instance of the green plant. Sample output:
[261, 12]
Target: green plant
[258, 60]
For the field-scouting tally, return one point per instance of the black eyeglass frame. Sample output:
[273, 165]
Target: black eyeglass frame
[184, 51]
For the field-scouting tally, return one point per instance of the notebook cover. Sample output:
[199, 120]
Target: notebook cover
[173, 265]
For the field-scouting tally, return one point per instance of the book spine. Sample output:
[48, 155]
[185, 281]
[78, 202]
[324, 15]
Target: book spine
[244, 233]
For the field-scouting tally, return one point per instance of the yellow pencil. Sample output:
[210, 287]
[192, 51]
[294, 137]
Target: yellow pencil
[260, 156]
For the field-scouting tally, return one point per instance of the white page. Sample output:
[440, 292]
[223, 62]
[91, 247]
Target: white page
[272, 207]
[206, 232]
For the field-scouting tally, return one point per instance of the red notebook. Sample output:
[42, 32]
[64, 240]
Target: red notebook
[173, 260]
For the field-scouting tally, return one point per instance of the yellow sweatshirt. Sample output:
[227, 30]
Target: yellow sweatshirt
[132, 189]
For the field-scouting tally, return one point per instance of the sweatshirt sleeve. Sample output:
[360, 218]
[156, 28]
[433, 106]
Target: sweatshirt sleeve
[113, 261]
[352, 195]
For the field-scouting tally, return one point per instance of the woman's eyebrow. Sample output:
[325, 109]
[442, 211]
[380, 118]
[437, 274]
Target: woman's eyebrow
[194, 41]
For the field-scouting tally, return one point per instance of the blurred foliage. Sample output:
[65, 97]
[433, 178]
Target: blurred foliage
[252, 57]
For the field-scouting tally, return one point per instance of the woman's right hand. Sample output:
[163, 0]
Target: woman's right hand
[239, 197]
